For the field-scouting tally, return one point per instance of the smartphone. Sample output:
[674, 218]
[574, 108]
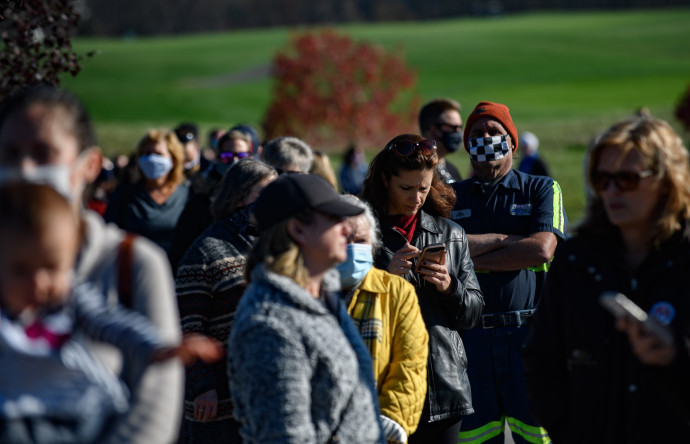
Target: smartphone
[431, 253]
[621, 306]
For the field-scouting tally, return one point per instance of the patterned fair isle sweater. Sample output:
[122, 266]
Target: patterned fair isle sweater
[209, 284]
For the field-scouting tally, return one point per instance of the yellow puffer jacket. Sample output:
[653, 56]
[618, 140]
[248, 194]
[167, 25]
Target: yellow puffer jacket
[386, 312]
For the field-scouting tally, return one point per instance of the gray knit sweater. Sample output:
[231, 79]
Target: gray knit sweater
[299, 372]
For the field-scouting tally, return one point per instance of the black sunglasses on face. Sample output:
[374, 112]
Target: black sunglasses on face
[426, 147]
[228, 156]
[624, 180]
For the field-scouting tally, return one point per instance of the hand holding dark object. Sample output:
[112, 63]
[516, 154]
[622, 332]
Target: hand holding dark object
[647, 346]
[193, 347]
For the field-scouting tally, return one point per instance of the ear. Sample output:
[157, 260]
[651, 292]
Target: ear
[384, 180]
[92, 164]
[297, 231]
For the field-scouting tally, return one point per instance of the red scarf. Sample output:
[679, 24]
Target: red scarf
[405, 224]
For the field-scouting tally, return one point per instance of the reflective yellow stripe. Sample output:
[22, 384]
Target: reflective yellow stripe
[558, 218]
[543, 267]
[483, 433]
[529, 433]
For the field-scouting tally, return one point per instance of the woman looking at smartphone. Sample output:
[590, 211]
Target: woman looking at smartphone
[412, 205]
[587, 381]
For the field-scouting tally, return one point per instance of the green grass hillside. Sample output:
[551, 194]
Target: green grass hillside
[564, 76]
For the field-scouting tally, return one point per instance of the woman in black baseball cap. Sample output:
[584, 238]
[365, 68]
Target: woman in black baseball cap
[298, 367]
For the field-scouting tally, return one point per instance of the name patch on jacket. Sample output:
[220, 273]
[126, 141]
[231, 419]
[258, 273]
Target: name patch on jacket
[521, 209]
[461, 214]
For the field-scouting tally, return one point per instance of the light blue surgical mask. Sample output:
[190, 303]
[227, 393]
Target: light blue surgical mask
[358, 263]
[155, 166]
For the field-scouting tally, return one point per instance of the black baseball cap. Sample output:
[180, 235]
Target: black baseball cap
[292, 194]
[186, 131]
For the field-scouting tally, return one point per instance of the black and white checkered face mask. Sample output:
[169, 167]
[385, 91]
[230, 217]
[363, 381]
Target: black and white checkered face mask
[486, 149]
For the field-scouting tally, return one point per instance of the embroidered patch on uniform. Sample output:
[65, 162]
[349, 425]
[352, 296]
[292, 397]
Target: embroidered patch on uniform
[663, 312]
[520, 209]
[461, 214]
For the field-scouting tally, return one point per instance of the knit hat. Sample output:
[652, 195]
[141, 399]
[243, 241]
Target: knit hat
[495, 111]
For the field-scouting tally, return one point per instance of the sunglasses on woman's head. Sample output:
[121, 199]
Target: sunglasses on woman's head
[624, 180]
[228, 156]
[427, 147]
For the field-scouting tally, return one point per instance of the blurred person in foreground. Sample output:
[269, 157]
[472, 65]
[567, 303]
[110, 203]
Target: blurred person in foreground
[299, 371]
[235, 144]
[52, 389]
[513, 223]
[386, 312]
[46, 136]
[151, 206]
[209, 284]
[589, 382]
[440, 120]
[412, 204]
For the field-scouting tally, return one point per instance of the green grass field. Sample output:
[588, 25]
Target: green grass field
[565, 76]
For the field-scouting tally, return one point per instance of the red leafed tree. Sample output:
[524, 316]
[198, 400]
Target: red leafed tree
[330, 91]
[683, 110]
[36, 36]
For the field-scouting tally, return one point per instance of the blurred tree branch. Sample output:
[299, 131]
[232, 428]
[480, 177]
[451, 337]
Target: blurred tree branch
[36, 37]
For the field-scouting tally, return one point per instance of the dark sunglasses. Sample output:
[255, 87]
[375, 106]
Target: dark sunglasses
[227, 156]
[426, 147]
[455, 128]
[624, 180]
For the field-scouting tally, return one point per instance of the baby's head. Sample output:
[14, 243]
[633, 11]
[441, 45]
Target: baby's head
[39, 242]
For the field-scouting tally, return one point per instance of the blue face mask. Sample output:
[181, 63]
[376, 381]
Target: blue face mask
[358, 263]
[155, 166]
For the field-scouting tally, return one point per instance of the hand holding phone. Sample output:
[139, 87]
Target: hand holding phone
[431, 253]
[622, 307]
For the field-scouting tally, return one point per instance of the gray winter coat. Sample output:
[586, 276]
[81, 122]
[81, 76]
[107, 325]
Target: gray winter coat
[299, 372]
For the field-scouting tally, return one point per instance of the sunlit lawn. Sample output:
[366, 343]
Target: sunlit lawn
[564, 76]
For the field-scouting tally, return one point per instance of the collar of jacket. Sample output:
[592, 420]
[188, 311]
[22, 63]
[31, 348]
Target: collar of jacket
[290, 290]
[428, 223]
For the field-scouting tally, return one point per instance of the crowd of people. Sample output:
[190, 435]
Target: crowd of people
[246, 292]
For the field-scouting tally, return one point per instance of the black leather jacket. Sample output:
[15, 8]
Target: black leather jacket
[448, 390]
